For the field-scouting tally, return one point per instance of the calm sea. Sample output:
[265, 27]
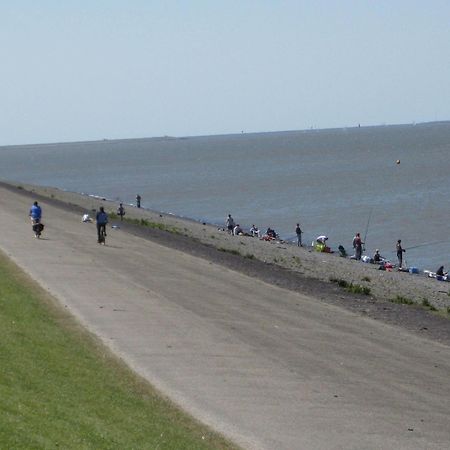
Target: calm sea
[334, 182]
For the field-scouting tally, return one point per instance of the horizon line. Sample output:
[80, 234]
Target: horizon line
[242, 133]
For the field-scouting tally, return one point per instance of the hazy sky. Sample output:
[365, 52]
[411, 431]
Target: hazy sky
[90, 69]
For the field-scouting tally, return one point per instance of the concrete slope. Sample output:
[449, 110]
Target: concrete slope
[269, 368]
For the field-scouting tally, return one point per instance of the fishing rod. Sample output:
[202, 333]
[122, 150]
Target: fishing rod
[425, 244]
[367, 229]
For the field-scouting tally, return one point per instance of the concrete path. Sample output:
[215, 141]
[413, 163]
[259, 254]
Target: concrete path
[268, 368]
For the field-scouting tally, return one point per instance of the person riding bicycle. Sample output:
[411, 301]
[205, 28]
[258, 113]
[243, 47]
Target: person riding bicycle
[35, 216]
[101, 220]
[35, 213]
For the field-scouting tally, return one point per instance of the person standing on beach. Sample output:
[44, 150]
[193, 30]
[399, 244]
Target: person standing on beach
[138, 201]
[298, 232]
[400, 251]
[121, 211]
[357, 245]
[230, 224]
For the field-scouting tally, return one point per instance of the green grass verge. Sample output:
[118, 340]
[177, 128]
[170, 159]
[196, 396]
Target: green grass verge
[60, 388]
[426, 304]
[350, 287]
[229, 250]
[402, 300]
[147, 223]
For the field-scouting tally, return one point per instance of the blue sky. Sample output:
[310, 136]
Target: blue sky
[122, 69]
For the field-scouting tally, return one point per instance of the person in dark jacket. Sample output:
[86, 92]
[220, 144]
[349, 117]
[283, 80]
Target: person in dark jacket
[101, 220]
[298, 232]
[400, 251]
[121, 211]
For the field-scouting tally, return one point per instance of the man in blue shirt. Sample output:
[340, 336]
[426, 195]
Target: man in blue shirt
[35, 216]
[35, 212]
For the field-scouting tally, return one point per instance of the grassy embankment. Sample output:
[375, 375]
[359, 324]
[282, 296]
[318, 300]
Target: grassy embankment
[60, 388]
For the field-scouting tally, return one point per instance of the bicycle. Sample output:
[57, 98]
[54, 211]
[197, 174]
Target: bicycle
[102, 234]
[37, 227]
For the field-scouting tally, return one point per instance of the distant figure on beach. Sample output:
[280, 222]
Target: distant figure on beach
[441, 272]
[121, 211]
[138, 201]
[254, 231]
[357, 245]
[400, 251]
[230, 224]
[298, 232]
[237, 230]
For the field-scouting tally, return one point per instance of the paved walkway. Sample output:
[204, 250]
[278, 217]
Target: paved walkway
[269, 368]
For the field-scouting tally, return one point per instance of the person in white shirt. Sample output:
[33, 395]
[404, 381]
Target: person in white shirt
[255, 231]
[237, 230]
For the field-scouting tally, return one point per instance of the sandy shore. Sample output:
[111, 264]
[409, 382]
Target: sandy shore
[284, 264]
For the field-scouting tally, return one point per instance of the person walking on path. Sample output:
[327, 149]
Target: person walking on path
[138, 201]
[400, 251]
[101, 220]
[121, 211]
[230, 224]
[357, 245]
[298, 232]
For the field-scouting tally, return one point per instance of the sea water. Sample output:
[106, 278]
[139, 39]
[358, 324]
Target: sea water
[386, 182]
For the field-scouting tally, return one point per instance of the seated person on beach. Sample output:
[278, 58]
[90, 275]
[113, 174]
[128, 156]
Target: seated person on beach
[237, 230]
[441, 272]
[377, 258]
[320, 244]
[254, 231]
[270, 235]
[342, 251]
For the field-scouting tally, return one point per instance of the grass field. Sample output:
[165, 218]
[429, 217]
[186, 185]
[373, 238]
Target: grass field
[60, 388]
